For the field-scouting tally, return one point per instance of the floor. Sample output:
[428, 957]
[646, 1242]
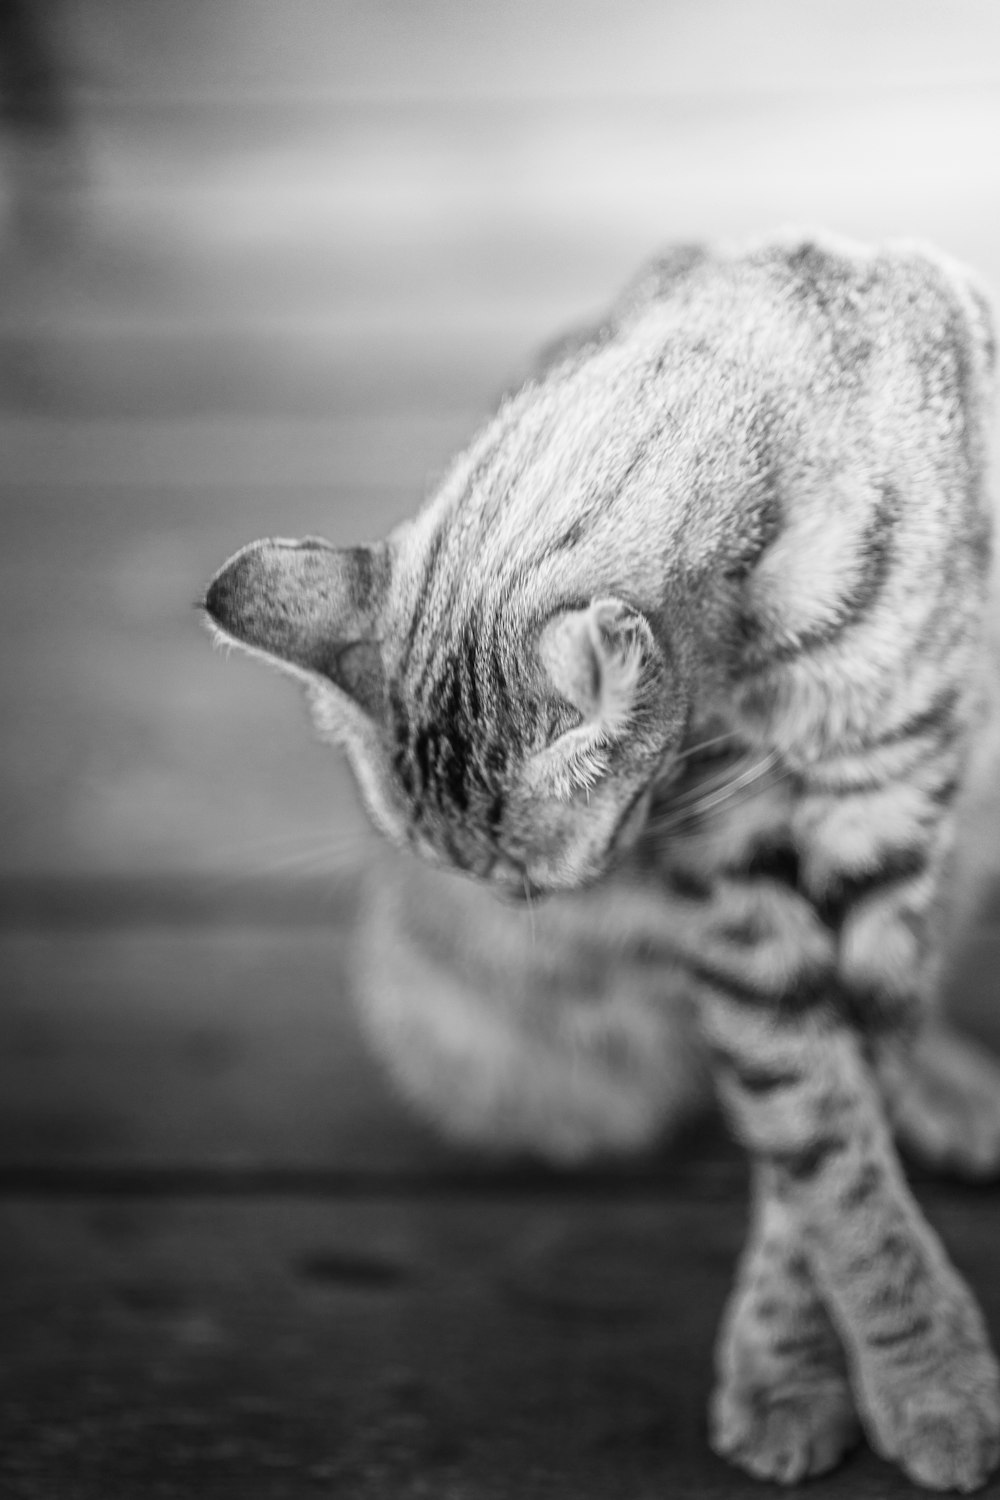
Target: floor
[438, 1340]
[262, 269]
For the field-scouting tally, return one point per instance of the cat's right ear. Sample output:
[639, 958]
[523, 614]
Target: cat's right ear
[308, 606]
[594, 658]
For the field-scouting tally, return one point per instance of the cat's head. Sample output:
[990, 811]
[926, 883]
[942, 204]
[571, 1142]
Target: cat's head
[497, 733]
[501, 670]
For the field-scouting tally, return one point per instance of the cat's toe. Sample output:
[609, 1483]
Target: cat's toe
[949, 1454]
[784, 1435]
[945, 1432]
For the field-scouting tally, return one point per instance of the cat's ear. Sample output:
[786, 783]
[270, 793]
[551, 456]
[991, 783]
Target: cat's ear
[593, 657]
[309, 606]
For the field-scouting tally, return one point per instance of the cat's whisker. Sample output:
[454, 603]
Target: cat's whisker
[734, 788]
[291, 839]
[720, 775]
[746, 780]
[717, 739]
[530, 905]
[331, 857]
[708, 785]
[676, 765]
[723, 781]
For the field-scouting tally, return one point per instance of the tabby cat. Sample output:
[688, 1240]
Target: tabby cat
[690, 640]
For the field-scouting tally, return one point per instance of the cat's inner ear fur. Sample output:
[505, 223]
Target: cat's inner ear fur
[594, 659]
[308, 606]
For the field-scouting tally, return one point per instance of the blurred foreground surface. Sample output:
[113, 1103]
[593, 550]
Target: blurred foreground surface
[232, 1265]
[262, 270]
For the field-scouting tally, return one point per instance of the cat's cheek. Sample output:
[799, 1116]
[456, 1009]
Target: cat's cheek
[379, 808]
[341, 722]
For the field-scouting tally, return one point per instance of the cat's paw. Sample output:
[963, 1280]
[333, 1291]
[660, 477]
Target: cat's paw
[947, 1110]
[933, 1403]
[944, 1428]
[785, 1434]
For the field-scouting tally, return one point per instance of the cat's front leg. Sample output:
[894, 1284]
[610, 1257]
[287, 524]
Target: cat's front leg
[875, 856]
[782, 1408]
[803, 1100]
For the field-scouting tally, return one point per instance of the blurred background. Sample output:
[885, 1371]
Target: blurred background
[264, 267]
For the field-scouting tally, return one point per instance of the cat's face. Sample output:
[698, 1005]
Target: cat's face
[512, 740]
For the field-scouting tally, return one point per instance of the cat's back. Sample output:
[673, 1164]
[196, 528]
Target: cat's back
[809, 296]
[814, 333]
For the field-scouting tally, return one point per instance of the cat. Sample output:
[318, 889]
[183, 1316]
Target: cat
[690, 641]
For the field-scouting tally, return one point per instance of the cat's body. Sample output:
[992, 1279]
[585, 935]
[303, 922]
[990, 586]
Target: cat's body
[691, 638]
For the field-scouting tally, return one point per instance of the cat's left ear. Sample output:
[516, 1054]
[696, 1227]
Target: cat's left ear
[308, 606]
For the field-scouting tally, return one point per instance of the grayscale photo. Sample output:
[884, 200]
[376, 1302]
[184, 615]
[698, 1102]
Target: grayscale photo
[500, 859]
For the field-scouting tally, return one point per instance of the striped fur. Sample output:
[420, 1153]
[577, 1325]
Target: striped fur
[690, 639]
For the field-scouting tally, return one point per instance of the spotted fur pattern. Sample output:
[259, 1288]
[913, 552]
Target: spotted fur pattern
[690, 640]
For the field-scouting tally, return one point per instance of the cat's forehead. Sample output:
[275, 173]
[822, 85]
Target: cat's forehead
[461, 668]
[531, 483]
[451, 744]
[461, 709]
